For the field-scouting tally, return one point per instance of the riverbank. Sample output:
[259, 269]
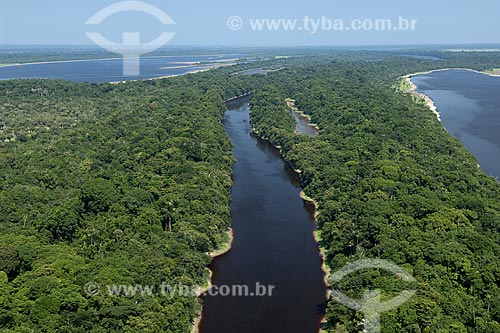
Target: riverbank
[470, 107]
[56, 62]
[412, 89]
[291, 105]
[238, 97]
[407, 86]
[223, 249]
[316, 233]
[117, 58]
[275, 232]
[491, 72]
[317, 238]
[74, 69]
[207, 68]
[311, 201]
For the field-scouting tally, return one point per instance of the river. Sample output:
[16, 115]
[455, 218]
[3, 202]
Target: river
[111, 70]
[469, 104]
[303, 125]
[273, 245]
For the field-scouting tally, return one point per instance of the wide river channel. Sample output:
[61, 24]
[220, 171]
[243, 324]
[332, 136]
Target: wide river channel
[273, 245]
[469, 104]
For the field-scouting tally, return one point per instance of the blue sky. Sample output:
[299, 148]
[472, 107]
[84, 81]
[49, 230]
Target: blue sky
[203, 22]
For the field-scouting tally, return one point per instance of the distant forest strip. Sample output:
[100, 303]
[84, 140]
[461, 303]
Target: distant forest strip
[391, 183]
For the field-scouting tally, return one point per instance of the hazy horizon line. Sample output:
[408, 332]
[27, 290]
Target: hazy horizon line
[264, 45]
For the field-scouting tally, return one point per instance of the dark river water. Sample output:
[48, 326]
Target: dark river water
[111, 70]
[273, 245]
[469, 104]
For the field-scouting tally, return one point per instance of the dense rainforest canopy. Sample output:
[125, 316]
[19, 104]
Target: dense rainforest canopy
[130, 184]
[113, 184]
[391, 183]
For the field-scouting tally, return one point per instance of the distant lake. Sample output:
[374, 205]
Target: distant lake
[469, 104]
[111, 70]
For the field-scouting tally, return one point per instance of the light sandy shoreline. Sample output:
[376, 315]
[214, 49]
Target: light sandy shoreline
[291, 104]
[237, 97]
[428, 101]
[317, 237]
[413, 90]
[450, 69]
[207, 68]
[225, 248]
[117, 58]
[56, 62]
[178, 66]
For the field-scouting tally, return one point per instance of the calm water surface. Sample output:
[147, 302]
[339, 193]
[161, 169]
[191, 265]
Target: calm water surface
[303, 126]
[469, 104]
[273, 245]
[110, 70]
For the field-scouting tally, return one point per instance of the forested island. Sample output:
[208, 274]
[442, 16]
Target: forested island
[130, 183]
